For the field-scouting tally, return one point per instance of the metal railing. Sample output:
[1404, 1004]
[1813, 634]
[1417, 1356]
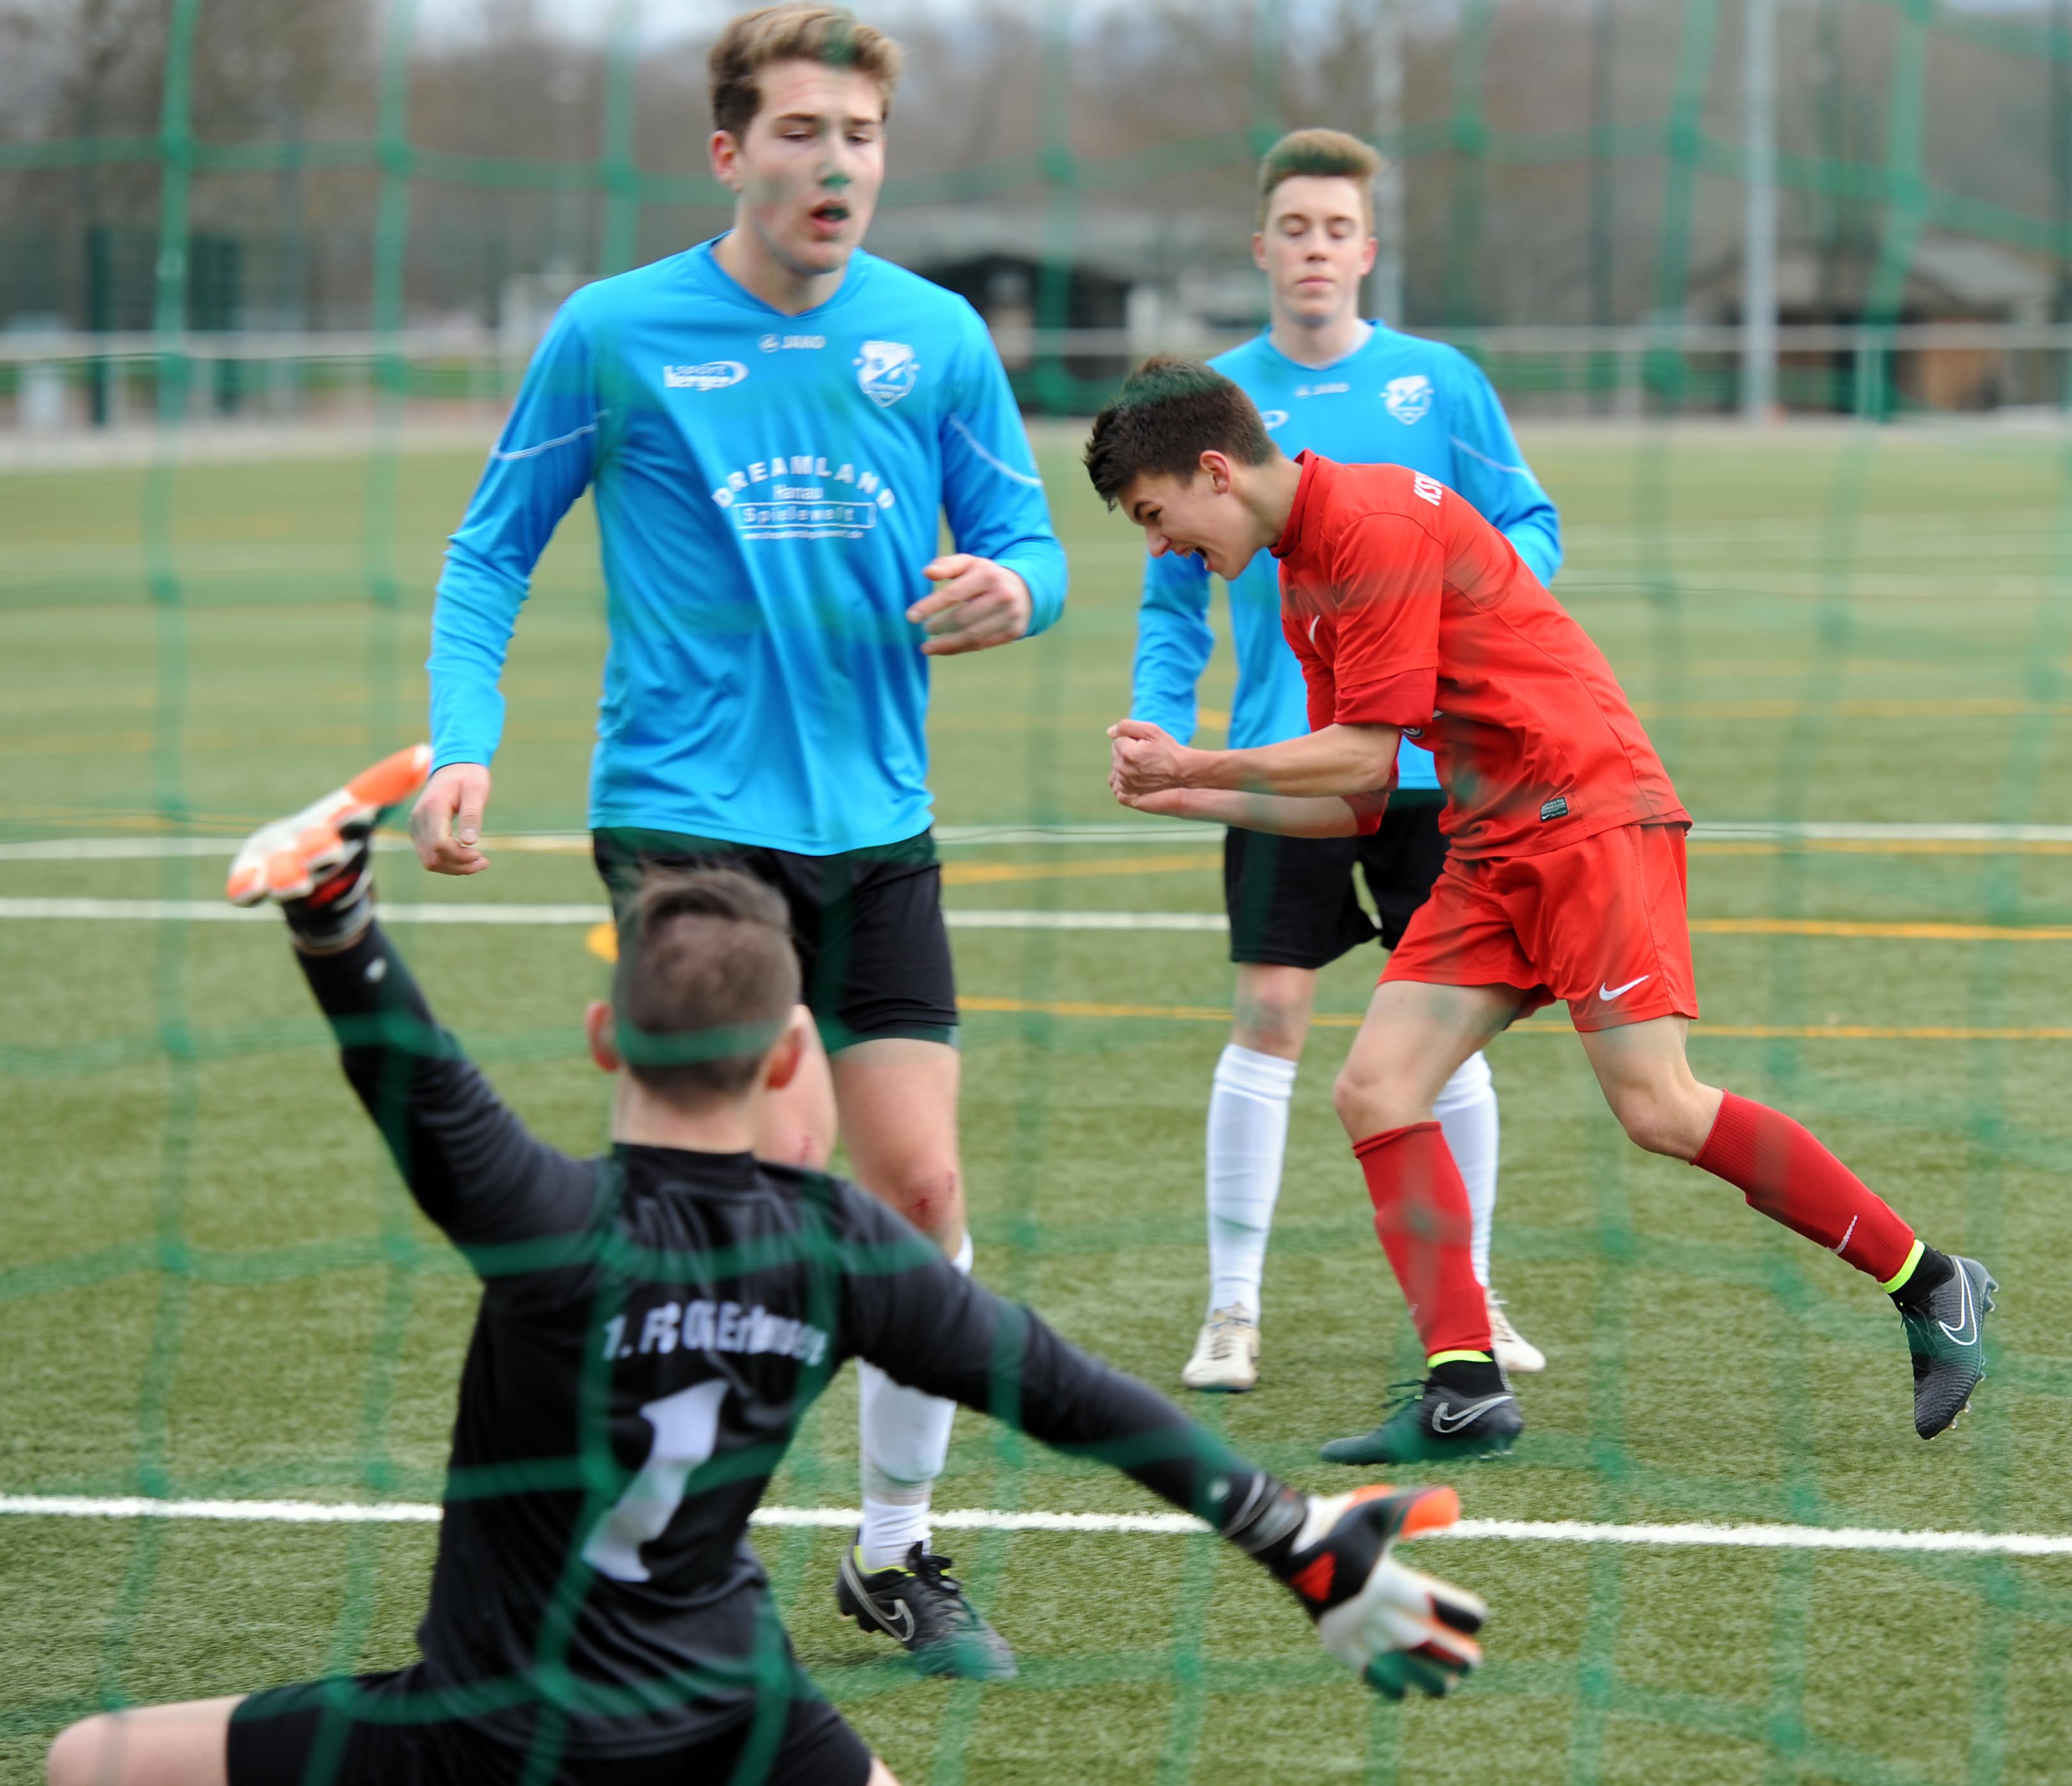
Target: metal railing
[1624, 369]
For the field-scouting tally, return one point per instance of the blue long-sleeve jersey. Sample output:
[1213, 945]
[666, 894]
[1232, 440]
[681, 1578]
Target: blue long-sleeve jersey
[1397, 399]
[768, 488]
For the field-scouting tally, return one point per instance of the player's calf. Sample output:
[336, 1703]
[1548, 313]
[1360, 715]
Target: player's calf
[1786, 1173]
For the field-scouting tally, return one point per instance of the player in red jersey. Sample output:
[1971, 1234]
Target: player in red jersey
[1566, 879]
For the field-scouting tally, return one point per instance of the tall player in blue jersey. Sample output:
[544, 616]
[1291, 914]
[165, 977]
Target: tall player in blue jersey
[1328, 380]
[770, 425]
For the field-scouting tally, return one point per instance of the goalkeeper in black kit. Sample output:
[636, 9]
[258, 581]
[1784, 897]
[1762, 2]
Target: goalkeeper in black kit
[654, 1324]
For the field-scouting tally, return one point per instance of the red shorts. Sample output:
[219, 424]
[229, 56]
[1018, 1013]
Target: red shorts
[1600, 924]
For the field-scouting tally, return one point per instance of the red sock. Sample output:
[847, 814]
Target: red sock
[1422, 1215]
[1786, 1174]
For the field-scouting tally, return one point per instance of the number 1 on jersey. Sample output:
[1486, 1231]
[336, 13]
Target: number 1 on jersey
[686, 1428]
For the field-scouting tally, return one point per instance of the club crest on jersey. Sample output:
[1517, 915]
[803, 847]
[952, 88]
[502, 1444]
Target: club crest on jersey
[886, 370]
[1409, 398]
[714, 375]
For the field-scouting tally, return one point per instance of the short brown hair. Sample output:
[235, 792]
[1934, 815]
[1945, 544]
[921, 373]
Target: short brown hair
[1169, 412]
[707, 979]
[830, 35]
[1327, 154]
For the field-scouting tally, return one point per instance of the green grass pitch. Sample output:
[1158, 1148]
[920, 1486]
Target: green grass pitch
[211, 1285]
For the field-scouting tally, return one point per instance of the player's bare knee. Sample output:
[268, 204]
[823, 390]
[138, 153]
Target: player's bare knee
[1658, 1124]
[1369, 1103]
[80, 1755]
[930, 1197]
[1269, 1026]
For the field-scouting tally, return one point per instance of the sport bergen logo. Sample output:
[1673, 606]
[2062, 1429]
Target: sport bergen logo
[714, 375]
[1409, 398]
[886, 370]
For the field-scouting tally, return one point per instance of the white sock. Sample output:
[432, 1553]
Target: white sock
[905, 1441]
[1466, 1110]
[1247, 1141]
[892, 1529]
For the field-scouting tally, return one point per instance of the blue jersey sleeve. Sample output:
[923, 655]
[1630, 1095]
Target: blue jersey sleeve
[991, 489]
[1492, 474]
[1172, 643]
[542, 461]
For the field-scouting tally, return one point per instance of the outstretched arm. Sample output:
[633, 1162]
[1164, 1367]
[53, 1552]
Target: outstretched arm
[473, 1167]
[909, 1311]
[469, 1163]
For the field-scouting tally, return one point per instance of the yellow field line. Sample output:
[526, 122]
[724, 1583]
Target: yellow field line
[219, 739]
[1078, 1007]
[1346, 1020]
[1913, 931]
[1880, 846]
[1972, 707]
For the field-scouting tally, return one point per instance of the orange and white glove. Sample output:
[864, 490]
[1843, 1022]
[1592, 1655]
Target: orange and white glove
[316, 864]
[1394, 1628]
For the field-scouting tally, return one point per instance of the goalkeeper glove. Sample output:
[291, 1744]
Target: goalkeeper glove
[317, 864]
[1394, 1628]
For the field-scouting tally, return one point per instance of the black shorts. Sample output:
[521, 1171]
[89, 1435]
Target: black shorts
[301, 1736]
[868, 924]
[1291, 900]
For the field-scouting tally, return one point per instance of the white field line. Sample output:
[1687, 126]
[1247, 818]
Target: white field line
[1696, 1535]
[577, 843]
[216, 912]
[965, 836]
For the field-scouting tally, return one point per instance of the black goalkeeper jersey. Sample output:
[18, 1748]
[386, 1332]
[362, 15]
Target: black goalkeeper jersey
[653, 1326]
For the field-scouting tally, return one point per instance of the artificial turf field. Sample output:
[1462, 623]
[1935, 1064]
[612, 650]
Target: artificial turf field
[211, 1286]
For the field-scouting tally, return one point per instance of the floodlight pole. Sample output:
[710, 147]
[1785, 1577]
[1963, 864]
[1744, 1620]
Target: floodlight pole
[1759, 247]
[1388, 186]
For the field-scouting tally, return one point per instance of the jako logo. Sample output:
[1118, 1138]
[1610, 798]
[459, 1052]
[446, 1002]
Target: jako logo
[886, 370]
[714, 375]
[771, 343]
[1408, 399]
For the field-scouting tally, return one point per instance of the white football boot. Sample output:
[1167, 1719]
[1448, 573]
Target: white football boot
[1514, 1351]
[1226, 1352]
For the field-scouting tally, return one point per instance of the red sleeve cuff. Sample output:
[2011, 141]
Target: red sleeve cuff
[1402, 700]
[1368, 808]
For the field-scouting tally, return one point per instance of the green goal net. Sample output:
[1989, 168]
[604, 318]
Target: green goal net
[268, 274]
